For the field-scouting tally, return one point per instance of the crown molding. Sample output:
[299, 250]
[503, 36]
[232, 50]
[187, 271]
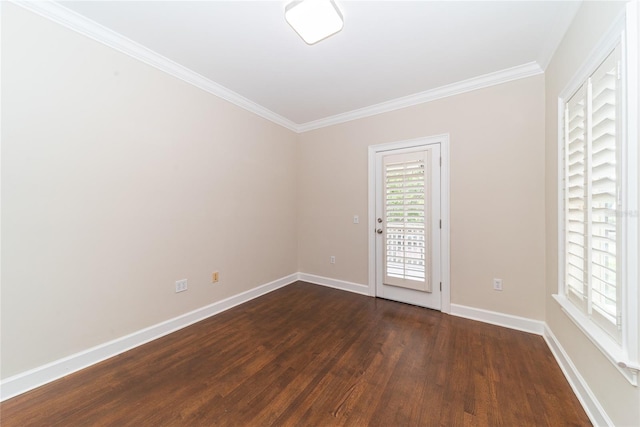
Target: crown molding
[76, 22]
[79, 23]
[486, 80]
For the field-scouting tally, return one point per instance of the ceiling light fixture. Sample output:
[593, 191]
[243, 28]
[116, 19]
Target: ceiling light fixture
[314, 20]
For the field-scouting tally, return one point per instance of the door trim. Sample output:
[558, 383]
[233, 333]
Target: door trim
[444, 210]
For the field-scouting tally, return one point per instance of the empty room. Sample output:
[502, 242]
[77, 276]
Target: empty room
[319, 213]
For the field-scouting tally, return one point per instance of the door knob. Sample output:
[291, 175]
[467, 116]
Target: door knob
[379, 231]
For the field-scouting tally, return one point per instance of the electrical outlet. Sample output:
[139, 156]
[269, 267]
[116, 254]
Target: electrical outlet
[332, 260]
[215, 276]
[181, 285]
[497, 284]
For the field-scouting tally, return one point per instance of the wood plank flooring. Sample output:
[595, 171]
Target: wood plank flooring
[307, 355]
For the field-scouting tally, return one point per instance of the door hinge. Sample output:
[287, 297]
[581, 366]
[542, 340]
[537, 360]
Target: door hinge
[619, 322]
[440, 286]
[440, 223]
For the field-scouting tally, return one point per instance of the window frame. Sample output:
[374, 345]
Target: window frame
[624, 354]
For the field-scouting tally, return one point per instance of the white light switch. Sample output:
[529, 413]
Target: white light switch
[356, 220]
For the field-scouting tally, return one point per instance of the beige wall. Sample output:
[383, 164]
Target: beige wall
[497, 193]
[619, 399]
[117, 180]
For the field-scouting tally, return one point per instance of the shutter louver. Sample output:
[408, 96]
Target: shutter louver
[604, 189]
[575, 195]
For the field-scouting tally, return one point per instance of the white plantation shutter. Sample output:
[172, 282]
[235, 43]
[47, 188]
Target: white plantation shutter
[406, 215]
[591, 156]
[605, 102]
[598, 228]
[575, 193]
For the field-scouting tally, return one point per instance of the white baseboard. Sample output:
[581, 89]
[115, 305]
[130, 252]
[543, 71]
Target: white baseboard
[41, 375]
[587, 399]
[334, 283]
[591, 406]
[501, 319]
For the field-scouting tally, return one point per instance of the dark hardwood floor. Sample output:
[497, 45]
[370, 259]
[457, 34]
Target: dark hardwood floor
[308, 355]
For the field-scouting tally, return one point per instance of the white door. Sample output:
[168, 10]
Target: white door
[408, 226]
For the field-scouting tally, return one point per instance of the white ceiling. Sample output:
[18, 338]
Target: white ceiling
[387, 50]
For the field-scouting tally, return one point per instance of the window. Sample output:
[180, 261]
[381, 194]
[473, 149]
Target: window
[598, 192]
[592, 145]
[406, 213]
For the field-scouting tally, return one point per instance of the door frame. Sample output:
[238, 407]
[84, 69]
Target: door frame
[443, 140]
